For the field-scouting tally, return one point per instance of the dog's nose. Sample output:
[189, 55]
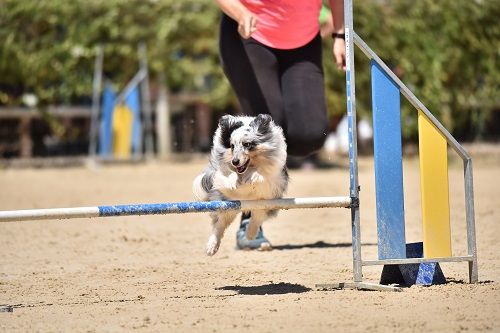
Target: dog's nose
[235, 162]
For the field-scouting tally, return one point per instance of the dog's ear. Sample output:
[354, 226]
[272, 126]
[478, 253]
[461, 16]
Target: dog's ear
[227, 125]
[262, 123]
[225, 119]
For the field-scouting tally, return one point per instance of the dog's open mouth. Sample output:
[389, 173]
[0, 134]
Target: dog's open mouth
[243, 168]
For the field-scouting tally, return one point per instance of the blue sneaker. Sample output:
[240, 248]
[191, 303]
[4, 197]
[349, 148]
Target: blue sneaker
[259, 243]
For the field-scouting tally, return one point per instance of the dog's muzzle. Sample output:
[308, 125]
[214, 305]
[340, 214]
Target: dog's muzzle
[240, 169]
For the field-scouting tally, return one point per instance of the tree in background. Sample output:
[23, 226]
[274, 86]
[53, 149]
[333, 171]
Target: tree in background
[446, 51]
[49, 46]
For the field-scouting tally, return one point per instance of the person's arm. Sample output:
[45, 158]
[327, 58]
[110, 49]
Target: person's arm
[247, 21]
[337, 7]
[325, 22]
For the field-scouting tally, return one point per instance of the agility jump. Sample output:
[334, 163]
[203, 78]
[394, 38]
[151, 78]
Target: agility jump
[397, 256]
[403, 263]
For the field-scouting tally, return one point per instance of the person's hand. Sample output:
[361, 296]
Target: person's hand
[339, 53]
[247, 24]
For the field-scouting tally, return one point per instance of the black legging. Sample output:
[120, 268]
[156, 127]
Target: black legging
[287, 84]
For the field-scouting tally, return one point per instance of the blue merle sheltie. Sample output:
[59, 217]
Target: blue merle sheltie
[247, 162]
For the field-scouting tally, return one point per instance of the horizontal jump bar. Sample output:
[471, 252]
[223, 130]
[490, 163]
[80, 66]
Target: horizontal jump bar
[415, 260]
[172, 208]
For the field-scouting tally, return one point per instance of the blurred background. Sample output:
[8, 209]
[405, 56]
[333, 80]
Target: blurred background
[124, 79]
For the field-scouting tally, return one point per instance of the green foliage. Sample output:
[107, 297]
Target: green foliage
[446, 51]
[49, 46]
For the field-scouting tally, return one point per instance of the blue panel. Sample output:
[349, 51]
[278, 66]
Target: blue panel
[106, 132]
[169, 208]
[388, 166]
[133, 102]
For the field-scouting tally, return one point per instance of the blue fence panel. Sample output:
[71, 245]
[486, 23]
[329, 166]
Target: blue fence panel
[388, 165]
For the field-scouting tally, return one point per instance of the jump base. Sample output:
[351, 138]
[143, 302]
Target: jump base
[424, 274]
[357, 286]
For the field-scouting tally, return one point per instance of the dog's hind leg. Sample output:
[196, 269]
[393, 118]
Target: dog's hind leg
[220, 221]
[257, 218]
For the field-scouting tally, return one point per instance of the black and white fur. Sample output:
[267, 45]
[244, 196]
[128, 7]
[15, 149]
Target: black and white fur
[247, 162]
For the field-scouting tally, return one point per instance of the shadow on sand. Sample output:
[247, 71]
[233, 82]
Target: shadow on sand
[268, 289]
[317, 245]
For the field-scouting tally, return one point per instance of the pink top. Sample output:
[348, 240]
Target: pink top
[285, 24]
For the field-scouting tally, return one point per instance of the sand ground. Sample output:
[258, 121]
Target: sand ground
[150, 273]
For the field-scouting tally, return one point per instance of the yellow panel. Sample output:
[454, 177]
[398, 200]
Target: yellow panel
[434, 189]
[122, 131]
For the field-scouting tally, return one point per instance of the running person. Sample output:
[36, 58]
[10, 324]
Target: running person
[271, 54]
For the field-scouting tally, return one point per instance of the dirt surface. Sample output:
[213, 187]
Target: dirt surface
[151, 274]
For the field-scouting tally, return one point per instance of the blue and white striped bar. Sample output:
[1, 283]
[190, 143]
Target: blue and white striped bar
[172, 208]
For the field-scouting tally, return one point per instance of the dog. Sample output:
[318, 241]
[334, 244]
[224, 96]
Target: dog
[247, 162]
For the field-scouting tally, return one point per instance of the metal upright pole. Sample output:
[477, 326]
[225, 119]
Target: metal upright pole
[96, 92]
[146, 102]
[353, 167]
[471, 229]
[353, 147]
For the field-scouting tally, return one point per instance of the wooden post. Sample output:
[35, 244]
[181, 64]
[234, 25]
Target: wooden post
[203, 126]
[163, 134]
[25, 141]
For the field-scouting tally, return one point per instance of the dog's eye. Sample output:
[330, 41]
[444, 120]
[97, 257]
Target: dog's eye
[232, 146]
[249, 145]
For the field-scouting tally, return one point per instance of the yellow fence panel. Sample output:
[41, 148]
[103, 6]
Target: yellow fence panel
[434, 189]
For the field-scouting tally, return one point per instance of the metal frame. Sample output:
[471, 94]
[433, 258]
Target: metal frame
[96, 92]
[353, 166]
[353, 143]
[351, 39]
[146, 102]
[416, 260]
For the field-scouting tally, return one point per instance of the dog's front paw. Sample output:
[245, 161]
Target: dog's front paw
[256, 178]
[222, 182]
[212, 245]
[232, 181]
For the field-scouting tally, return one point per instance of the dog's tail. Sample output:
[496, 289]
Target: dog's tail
[199, 191]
